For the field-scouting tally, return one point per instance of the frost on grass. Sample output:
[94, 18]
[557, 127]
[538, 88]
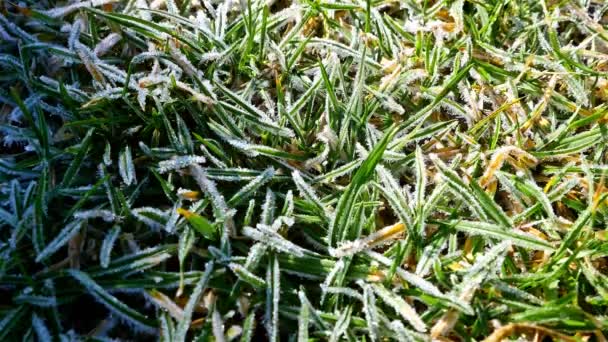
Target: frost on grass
[454, 151]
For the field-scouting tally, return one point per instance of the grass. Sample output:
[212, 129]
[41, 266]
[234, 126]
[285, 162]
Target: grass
[304, 170]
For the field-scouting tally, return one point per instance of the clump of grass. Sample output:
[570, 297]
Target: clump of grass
[303, 170]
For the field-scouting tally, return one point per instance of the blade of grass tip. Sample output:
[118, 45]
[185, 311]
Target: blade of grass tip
[530, 188]
[343, 213]
[317, 319]
[249, 327]
[186, 241]
[164, 302]
[308, 193]
[249, 189]
[107, 245]
[342, 324]
[400, 306]
[370, 310]
[184, 325]
[459, 187]
[429, 255]
[490, 206]
[303, 322]
[246, 276]
[68, 176]
[126, 167]
[272, 298]
[396, 197]
[167, 327]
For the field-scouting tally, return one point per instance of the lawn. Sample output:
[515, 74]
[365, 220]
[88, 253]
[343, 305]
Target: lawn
[276, 170]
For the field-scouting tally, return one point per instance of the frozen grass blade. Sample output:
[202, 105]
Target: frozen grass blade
[496, 232]
[60, 240]
[399, 305]
[184, 325]
[120, 309]
[107, 246]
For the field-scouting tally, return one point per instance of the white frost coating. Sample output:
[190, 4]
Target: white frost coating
[308, 192]
[402, 333]
[126, 167]
[347, 291]
[400, 306]
[139, 214]
[330, 278]
[484, 265]
[32, 100]
[107, 246]
[265, 235]
[379, 237]
[289, 205]
[422, 284]
[75, 33]
[59, 12]
[210, 188]
[16, 30]
[179, 162]
[268, 208]
[273, 295]
[212, 159]
[90, 62]
[256, 183]
[303, 321]
[106, 44]
[137, 261]
[103, 214]
[396, 195]
[245, 274]
[370, 309]
[219, 204]
[217, 325]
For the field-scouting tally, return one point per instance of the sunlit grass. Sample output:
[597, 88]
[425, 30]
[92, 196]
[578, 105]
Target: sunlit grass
[252, 170]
